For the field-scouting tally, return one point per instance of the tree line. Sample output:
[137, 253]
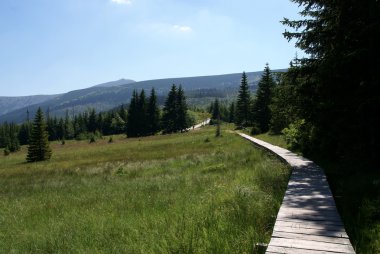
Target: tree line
[143, 117]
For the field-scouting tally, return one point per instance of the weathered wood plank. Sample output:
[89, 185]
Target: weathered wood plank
[311, 245]
[284, 250]
[312, 231]
[317, 238]
[322, 225]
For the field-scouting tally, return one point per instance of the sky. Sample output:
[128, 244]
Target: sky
[55, 46]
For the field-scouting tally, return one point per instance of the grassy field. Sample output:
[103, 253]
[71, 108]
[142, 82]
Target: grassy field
[356, 189]
[182, 193]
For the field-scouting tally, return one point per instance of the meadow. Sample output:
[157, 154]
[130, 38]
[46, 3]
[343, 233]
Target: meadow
[181, 193]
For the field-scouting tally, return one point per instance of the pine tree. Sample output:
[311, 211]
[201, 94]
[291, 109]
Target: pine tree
[243, 103]
[181, 111]
[153, 114]
[261, 114]
[132, 130]
[92, 124]
[170, 112]
[39, 149]
[215, 110]
[142, 123]
[231, 111]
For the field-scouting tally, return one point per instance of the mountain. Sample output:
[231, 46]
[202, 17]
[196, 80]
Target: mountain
[119, 82]
[109, 95]
[9, 104]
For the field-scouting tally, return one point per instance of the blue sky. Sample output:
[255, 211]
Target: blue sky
[54, 46]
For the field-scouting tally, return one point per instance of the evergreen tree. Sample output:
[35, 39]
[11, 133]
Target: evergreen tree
[243, 103]
[142, 122]
[92, 121]
[153, 114]
[231, 111]
[181, 111]
[169, 112]
[338, 80]
[39, 149]
[132, 128]
[215, 110]
[261, 114]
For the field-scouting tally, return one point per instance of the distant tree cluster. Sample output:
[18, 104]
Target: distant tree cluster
[142, 118]
[249, 111]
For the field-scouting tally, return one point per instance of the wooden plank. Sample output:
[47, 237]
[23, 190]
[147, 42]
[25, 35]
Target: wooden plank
[311, 245]
[307, 222]
[308, 217]
[321, 225]
[317, 238]
[312, 231]
[284, 250]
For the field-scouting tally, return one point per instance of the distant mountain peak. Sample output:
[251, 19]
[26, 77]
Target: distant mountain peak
[119, 82]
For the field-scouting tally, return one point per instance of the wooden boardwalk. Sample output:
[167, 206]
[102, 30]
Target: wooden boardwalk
[308, 221]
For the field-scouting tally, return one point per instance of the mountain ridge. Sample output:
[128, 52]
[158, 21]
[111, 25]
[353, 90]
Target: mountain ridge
[108, 95]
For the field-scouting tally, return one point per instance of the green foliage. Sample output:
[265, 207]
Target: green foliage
[153, 114]
[6, 151]
[175, 116]
[39, 149]
[110, 140]
[243, 103]
[339, 77]
[261, 114]
[294, 134]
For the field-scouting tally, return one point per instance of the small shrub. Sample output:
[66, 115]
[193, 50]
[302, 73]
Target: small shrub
[6, 151]
[110, 140]
[294, 134]
[207, 140]
[63, 142]
[92, 139]
[255, 130]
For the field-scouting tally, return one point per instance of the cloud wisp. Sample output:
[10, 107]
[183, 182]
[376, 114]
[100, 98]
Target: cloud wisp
[182, 29]
[122, 1]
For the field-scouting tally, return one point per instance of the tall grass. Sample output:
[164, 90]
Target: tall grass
[164, 194]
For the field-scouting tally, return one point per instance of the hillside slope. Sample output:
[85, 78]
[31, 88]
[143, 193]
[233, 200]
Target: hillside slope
[107, 97]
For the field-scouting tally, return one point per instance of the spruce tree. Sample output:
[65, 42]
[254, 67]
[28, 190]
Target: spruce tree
[169, 112]
[215, 110]
[142, 126]
[39, 149]
[261, 114]
[231, 112]
[132, 128]
[243, 103]
[153, 114]
[181, 111]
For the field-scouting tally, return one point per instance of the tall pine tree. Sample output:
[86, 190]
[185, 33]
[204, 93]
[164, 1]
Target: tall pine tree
[243, 103]
[261, 114]
[153, 114]
[39, 149]
[170, 111]
[181, 111]
[132, 128]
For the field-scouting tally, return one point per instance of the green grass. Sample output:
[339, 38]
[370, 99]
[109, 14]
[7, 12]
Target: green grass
[163, 194]
[356, 190]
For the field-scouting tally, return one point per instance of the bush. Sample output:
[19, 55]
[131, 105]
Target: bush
[63, 142]
[110, 140]
[255, 130]
[295, 134]
[6, 151]
[92, 139]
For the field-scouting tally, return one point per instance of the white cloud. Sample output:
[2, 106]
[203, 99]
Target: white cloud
[182, 29]
[122, 1]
